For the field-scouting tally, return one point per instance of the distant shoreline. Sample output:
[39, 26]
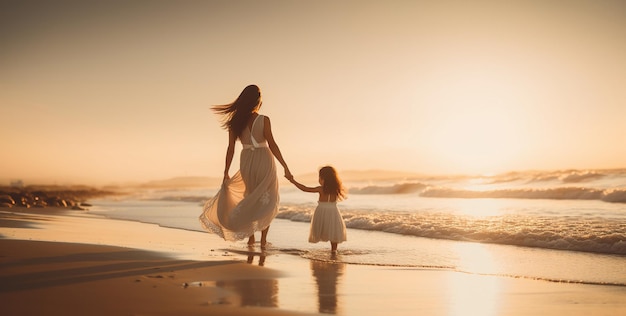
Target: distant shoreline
[41, 196]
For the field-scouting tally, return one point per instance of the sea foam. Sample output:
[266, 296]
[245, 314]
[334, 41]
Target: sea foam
[562, 233]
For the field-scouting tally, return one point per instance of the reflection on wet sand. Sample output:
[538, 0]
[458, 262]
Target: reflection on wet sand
[253, 292]
[326, 276]
[261, 259]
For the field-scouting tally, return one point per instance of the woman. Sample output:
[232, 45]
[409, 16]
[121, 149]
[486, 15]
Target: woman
[248, 201]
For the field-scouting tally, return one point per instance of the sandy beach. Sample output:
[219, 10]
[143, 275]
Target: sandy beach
[66, 262]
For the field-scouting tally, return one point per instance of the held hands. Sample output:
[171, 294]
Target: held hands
[291, 179]
[288, 175]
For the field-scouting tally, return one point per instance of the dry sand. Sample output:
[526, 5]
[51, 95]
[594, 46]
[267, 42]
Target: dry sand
[58, 262]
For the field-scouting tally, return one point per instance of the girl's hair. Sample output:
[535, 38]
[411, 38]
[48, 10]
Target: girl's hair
[332, 183]
[236, 114]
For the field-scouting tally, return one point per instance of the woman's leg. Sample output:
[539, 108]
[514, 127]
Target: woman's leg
[333, 246]
[264, 237]
[251, 240]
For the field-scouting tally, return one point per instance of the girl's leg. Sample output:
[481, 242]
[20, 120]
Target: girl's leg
[333, 246]
[264, 237]
[251, 240]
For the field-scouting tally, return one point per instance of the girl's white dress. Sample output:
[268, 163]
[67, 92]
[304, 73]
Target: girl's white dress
[247, 202]
[327, 224]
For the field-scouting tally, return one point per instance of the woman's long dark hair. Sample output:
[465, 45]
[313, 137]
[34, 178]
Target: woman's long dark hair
[332, 183]
[236, 114]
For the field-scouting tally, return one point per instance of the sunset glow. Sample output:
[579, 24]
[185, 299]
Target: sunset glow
[120, 91]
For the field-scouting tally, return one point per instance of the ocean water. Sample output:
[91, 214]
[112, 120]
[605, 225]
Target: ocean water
[561, 226]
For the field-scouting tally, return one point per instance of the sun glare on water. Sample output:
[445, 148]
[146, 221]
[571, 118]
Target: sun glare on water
[478, 208]
[472, 294]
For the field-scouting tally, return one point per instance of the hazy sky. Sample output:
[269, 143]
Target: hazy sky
[116, 91]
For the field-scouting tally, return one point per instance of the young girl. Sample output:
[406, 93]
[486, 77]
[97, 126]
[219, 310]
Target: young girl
[327, 224]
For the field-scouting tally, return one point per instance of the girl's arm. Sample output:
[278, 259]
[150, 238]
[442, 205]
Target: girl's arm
[304, 187]
[267, 132]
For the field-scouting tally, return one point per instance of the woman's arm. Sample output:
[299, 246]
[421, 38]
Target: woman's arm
[230, 152]
[267, 132]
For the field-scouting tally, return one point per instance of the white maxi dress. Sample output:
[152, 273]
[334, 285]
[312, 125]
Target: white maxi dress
[247, 202]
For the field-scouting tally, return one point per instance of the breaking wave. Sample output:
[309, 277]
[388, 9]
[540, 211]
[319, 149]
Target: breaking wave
[602, 185]
[567, 193]
[561, 233]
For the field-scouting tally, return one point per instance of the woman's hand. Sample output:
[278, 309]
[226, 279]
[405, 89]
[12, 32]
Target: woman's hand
[288, 175]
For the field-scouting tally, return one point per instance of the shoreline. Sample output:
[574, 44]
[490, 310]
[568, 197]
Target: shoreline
[75, 263]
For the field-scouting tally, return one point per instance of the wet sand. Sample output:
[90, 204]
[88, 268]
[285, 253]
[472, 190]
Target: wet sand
[63, 262]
